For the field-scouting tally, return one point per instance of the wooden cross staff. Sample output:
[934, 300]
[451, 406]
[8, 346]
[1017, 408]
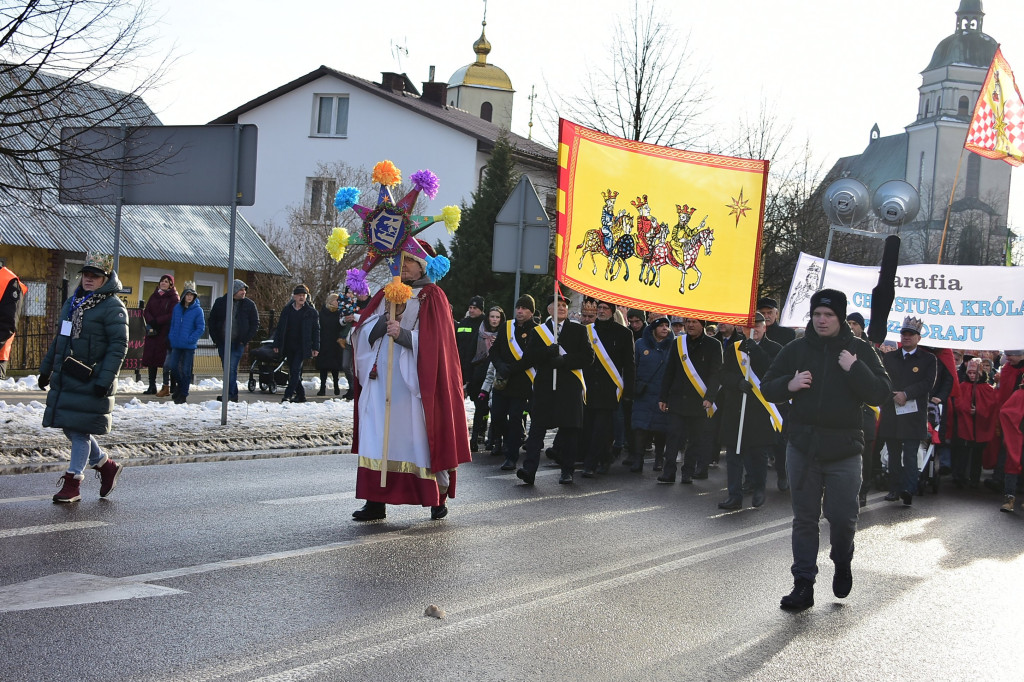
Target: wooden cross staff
[387, 391]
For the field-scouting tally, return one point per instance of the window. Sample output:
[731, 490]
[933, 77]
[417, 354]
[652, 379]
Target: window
[330, 116]
[961, 107]
[320, 199]
[486, 111]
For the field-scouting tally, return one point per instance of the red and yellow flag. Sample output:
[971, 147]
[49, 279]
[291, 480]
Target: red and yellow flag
[997, 127]
[657, 228]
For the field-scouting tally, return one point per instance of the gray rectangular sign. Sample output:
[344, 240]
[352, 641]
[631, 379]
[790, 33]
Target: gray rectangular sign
[536, 248]
[162, 165]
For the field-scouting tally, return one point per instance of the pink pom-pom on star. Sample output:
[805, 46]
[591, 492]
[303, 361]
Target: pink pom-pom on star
[355, 280]
[426, 182]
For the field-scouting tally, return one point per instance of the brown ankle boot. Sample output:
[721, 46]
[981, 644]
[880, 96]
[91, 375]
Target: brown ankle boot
[69, 491]
[163, 392]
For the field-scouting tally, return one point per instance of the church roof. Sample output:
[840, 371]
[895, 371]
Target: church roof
[884, 159]
[970, 48]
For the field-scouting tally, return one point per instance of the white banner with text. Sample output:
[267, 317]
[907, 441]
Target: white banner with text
[973, 307]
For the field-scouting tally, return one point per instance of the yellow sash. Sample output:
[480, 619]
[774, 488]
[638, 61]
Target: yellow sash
[549, 339]
[517, 352]
[606, 361]
[691, 371]
[755, 383]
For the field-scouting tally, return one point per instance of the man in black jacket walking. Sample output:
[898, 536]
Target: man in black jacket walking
[688, 395]
[904, 422]
[513, 382]
[297, 337]
[558, 407]
[610, 380]
[828, 374]
[244, 325]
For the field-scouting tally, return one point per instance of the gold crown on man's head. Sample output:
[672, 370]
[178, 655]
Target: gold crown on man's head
[639, 202]
[685, 208]
[609, 195]
[912, 324]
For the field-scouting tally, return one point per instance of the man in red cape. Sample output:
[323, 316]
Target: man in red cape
[423, 455]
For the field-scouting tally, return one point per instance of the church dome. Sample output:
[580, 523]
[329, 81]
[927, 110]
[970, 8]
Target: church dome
[968, 45]
[480, 73]
[972, 48]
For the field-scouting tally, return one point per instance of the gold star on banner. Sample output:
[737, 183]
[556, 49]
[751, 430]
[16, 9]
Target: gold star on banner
[738, 207]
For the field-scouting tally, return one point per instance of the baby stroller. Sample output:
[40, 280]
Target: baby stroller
[266, 368]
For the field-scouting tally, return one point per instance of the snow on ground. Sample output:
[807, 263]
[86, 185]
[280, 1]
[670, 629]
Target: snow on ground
[156, 429]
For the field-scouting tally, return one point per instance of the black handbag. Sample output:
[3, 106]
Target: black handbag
[76, 369]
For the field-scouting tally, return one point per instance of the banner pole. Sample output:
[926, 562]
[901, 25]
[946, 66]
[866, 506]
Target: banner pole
[949, 206]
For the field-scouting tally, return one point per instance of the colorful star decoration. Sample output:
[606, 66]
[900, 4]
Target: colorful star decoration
[739, 207]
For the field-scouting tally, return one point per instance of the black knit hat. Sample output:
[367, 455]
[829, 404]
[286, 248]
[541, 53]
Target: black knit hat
[477, 302]
[830, 298]
[300, 289]
[856, 317]
[526, 301]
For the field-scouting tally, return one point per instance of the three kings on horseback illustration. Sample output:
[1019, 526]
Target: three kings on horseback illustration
[655, 244]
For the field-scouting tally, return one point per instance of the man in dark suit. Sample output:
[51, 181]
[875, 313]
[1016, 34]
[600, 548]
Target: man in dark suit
[513, 383]
[563, 357]
[904, 421]
[610, 380]
[746, 362]
[769, 307]
[688, 395]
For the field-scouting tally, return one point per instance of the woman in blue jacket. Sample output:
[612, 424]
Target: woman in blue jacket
[187, 325]
[653, 349]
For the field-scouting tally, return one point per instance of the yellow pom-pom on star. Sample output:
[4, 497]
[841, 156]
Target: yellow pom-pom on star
[386, 174]
[396, 292]
[337, 243]
[452, 216]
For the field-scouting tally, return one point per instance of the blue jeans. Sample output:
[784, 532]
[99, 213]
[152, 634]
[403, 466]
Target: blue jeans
[816, 485]
[903, 473]
[84, 449]
[180, 360]
[236, 355]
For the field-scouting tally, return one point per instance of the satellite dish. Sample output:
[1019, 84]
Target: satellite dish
[846, 202]
[896, 202]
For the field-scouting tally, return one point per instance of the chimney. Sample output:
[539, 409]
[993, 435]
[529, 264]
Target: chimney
[392, 81]
[435, 92]
[431, 73]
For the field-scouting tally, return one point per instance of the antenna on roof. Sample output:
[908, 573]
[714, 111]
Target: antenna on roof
[397, 50]
[532, 97]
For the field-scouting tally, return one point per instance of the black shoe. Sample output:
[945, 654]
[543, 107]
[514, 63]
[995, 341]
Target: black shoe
[602, 468]
[732, 504]
[233, 400]
[179, 399]
[322, 391]
[587, 473]
[439, 512]
[473, 446]
[659, 463]
[907, 498]
[509, 465]
[371, 511]
[551, 453]
[666, 479]
[784, 486]
[686, 478]
[565, 478]
[700, 475]
[892, 497]
[286, 399]
[150, 391]
[758, 498]
[349, 395]
[802, 596]
[842, 581]
[525, 476]
[299, 399]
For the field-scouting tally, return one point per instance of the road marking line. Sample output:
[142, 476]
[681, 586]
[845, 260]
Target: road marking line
[308, 499]
[67, 589]
[540, 474]
[51, 528]
[33, 498]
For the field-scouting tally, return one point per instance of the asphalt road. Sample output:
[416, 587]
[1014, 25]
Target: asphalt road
[246, 570]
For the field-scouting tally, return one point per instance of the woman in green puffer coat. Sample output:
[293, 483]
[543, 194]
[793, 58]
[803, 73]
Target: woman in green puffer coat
[81, 369]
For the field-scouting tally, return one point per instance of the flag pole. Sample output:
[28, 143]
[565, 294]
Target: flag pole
[554, 331]
[743, 414]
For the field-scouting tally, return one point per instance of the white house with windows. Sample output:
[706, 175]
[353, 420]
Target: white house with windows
[327, 115]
